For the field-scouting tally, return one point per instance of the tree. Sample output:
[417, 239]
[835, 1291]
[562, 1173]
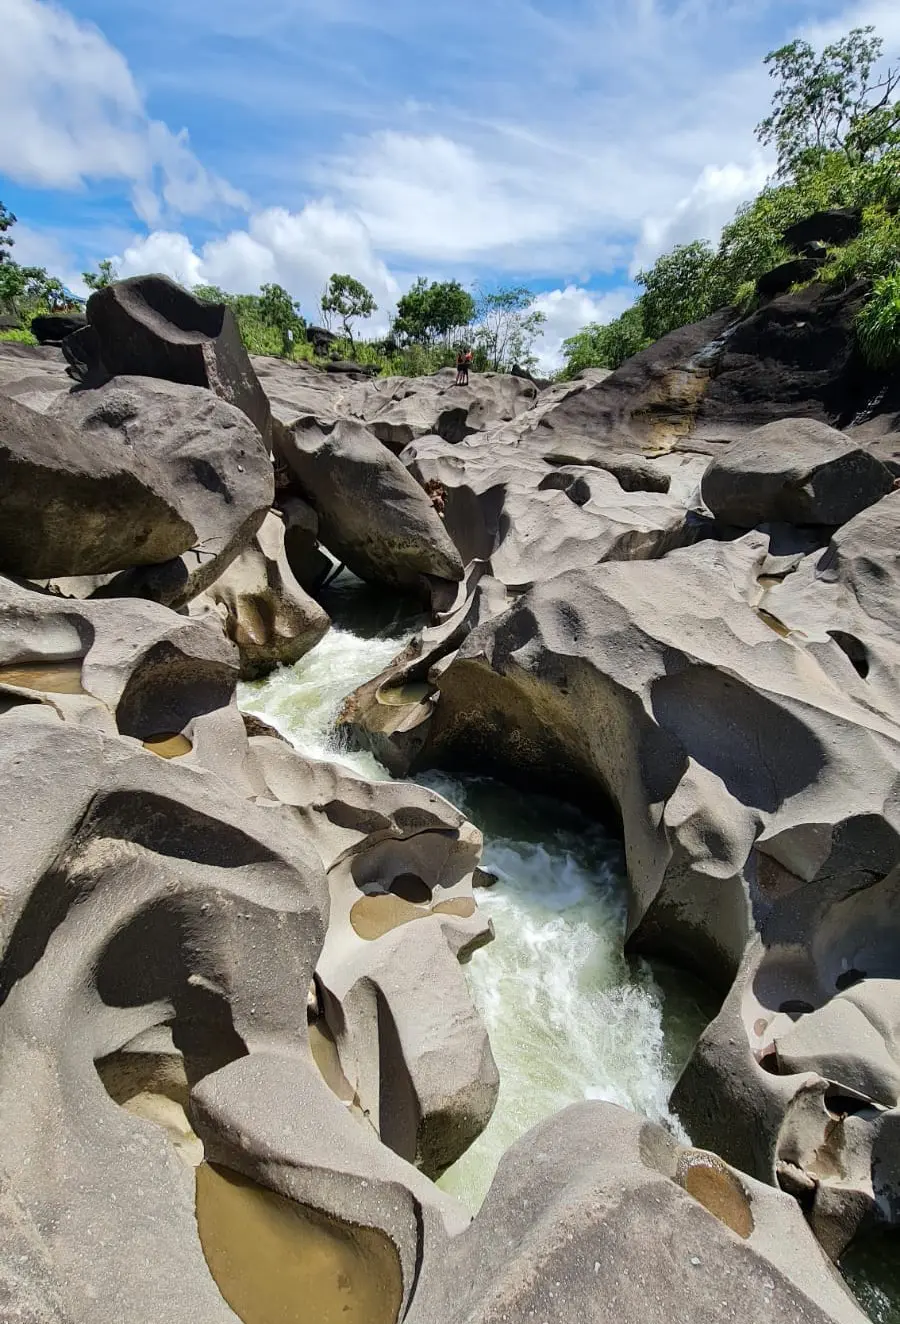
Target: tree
[277, 309]
[679, 288]
[427, 313]
[346, 298]
[606, 346]
[26, 291]
[7, 221]
[105, 274]
[507, 325]
[830, 102]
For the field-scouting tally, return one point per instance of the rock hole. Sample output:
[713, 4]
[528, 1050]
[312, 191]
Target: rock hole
[411, 888]
[718, 1190]
[849, 979]
[168, 745]
[46, 677]
[796, 1007]
[854, 649]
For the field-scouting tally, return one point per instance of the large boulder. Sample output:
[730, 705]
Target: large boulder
[262, 608]
[204, 451]
[372, 515]
[35, 375]
[837, 225]
[150, 327]
[76, 505]
[596, 1216]
[796, 471]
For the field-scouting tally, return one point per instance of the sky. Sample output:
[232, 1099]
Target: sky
[559, 144]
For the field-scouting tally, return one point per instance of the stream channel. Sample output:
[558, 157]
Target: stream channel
[569, 1016]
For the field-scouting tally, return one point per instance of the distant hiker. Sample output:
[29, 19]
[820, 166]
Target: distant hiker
[463, 364]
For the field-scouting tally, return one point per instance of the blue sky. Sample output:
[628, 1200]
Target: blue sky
[558, 143]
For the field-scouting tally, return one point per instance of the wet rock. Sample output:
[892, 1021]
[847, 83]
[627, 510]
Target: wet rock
[263, 609]
[205, 452]
[796, 471]
[372, 515]
[71, 505]
[571, 1229]
[150, 327]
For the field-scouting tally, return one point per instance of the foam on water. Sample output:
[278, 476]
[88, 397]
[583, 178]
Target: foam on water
[569, 1018]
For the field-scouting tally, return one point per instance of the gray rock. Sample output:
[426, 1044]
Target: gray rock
[309, 565]
[597, 1216]
[797, 471]
[150, 327]
[372, 515]
[71, 505]
[262, 608]
[205, 452]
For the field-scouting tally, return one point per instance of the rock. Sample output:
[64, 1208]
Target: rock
[203, 450]
[803, 1061]
[864, 556]
[75, 505]
[598, 1215]
[83, 353]
[147, 910]
[596, 686]
[150, 327]
[797, 471]
[372, 515]
[34, 375]
[263, 609]
[705, 385]
[309, 565]
[412, 1051]
[779, 280]
[835, 226]
[297, 390]
[320, 339]
[358, 371]
[52, 328]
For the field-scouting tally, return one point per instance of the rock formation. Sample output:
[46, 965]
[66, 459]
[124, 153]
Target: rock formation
[235, 1032]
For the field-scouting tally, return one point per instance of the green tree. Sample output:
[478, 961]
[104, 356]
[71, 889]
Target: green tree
[679, 288]
[105, 274]
[606, 346]
[506, 327]
[830, 101]
[277, 309]
[7, 221]
[435, 313]
[347, 298]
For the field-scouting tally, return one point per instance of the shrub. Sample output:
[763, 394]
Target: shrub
[878, 326]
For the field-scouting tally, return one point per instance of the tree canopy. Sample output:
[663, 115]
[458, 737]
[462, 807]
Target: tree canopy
[347, 298]
[432, 313]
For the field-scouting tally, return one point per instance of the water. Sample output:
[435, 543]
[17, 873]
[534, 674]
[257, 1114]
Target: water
[569, 1018]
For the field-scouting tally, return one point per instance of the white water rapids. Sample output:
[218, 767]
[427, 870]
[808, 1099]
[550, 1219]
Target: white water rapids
[569, 1018]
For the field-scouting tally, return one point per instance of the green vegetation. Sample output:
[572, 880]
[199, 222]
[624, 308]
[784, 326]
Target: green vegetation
[105, 275]
[879, 322]
[435, 315]
[837, 136]
[347, 298]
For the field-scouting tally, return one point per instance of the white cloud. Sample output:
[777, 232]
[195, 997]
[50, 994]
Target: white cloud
[299, 250]
[567, 311]
[71, 113]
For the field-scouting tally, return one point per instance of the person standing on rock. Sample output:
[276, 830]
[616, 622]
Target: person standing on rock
[463, 364]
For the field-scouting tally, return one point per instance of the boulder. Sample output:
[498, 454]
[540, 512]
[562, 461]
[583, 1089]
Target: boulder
[320, 339]
[309, 565]
[262, 608]
[834, 226]
[203, 450]
[596, 1215]
[796, 471]
[52, 328]
[372, 515]
[779, 280]
[35, 375]
[150, 327]
[77, 505]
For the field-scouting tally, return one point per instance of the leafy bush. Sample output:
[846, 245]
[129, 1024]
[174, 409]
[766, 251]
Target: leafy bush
[18, 336]
[878, 326]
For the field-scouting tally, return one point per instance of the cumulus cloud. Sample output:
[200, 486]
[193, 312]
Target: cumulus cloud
[299, 250]
[568, 310]
[71, 113]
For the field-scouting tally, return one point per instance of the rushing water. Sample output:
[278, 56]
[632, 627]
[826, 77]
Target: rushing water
[569, 1018]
